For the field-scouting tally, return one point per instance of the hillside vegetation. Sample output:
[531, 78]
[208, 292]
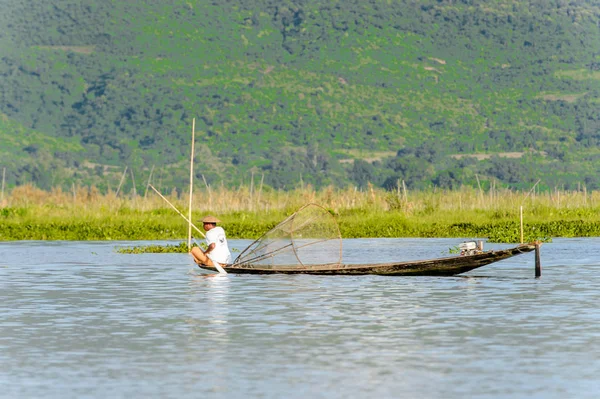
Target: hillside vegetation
[421, 93]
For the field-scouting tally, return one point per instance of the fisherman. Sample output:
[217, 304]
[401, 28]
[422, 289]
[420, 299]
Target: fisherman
[217, 249]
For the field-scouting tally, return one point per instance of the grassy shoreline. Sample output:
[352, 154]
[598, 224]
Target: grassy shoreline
[28, 213]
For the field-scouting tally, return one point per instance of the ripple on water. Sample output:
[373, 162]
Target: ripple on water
[84, 321]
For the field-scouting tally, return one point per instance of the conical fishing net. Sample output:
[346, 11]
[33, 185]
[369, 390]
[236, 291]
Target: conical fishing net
[310, 236]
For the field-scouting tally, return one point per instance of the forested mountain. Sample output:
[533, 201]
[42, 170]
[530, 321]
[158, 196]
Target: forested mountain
[433, 93]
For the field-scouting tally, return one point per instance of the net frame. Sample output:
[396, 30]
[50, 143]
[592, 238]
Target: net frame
[295, 245]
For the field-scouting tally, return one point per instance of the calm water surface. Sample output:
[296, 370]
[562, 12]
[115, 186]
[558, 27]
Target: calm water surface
[79, 320]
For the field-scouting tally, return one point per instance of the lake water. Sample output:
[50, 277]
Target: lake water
[78, 320]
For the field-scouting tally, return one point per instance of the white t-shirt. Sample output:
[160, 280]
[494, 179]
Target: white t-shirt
[221, 252]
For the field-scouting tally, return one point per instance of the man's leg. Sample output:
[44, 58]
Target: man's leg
[200, 258]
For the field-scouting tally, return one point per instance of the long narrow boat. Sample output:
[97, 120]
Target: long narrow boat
[448, 266]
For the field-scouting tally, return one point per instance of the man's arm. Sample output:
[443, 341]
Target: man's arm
[210, 248]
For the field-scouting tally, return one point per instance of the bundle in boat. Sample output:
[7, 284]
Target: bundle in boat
[310, 236]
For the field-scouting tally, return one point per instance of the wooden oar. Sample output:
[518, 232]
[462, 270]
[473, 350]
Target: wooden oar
[177, 210]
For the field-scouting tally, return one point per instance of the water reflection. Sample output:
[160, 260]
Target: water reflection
[209, 333]
[211, 291]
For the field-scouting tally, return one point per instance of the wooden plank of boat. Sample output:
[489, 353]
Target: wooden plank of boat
[447, 266]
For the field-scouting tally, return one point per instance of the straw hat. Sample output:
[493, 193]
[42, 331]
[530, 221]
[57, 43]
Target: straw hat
[210, 219]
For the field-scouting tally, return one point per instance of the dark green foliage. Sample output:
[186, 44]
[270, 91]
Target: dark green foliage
[12, 212]
[362, 173]
[302, 92]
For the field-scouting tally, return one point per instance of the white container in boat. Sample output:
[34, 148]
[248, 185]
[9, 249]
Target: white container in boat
[467, 246]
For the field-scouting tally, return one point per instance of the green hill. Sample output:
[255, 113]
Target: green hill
[433, 93]
[36, 156]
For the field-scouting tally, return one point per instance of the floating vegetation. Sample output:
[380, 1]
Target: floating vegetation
[182, 248]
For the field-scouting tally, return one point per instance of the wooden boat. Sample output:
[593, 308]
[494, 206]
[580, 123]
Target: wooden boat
[448, 266]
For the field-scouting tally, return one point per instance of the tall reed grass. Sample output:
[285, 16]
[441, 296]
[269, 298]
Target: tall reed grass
[88, 201]
[248, 211]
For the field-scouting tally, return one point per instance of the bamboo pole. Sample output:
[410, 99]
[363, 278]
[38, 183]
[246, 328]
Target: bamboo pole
[262, 179]
[149, 180]
[121, 182]
[491, 194]
[480, 190]
[252, 192]
[532, 188]
[133, 183]
[521, 218]
[191, 185]
[209, 193]
[538, 262]
[3, 179]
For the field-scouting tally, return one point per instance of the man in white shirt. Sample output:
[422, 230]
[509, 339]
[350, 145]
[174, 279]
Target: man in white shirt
[217, 249]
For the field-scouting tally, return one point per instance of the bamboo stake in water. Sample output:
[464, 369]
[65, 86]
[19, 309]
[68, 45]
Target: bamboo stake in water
[191, 185]
[538, 262]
